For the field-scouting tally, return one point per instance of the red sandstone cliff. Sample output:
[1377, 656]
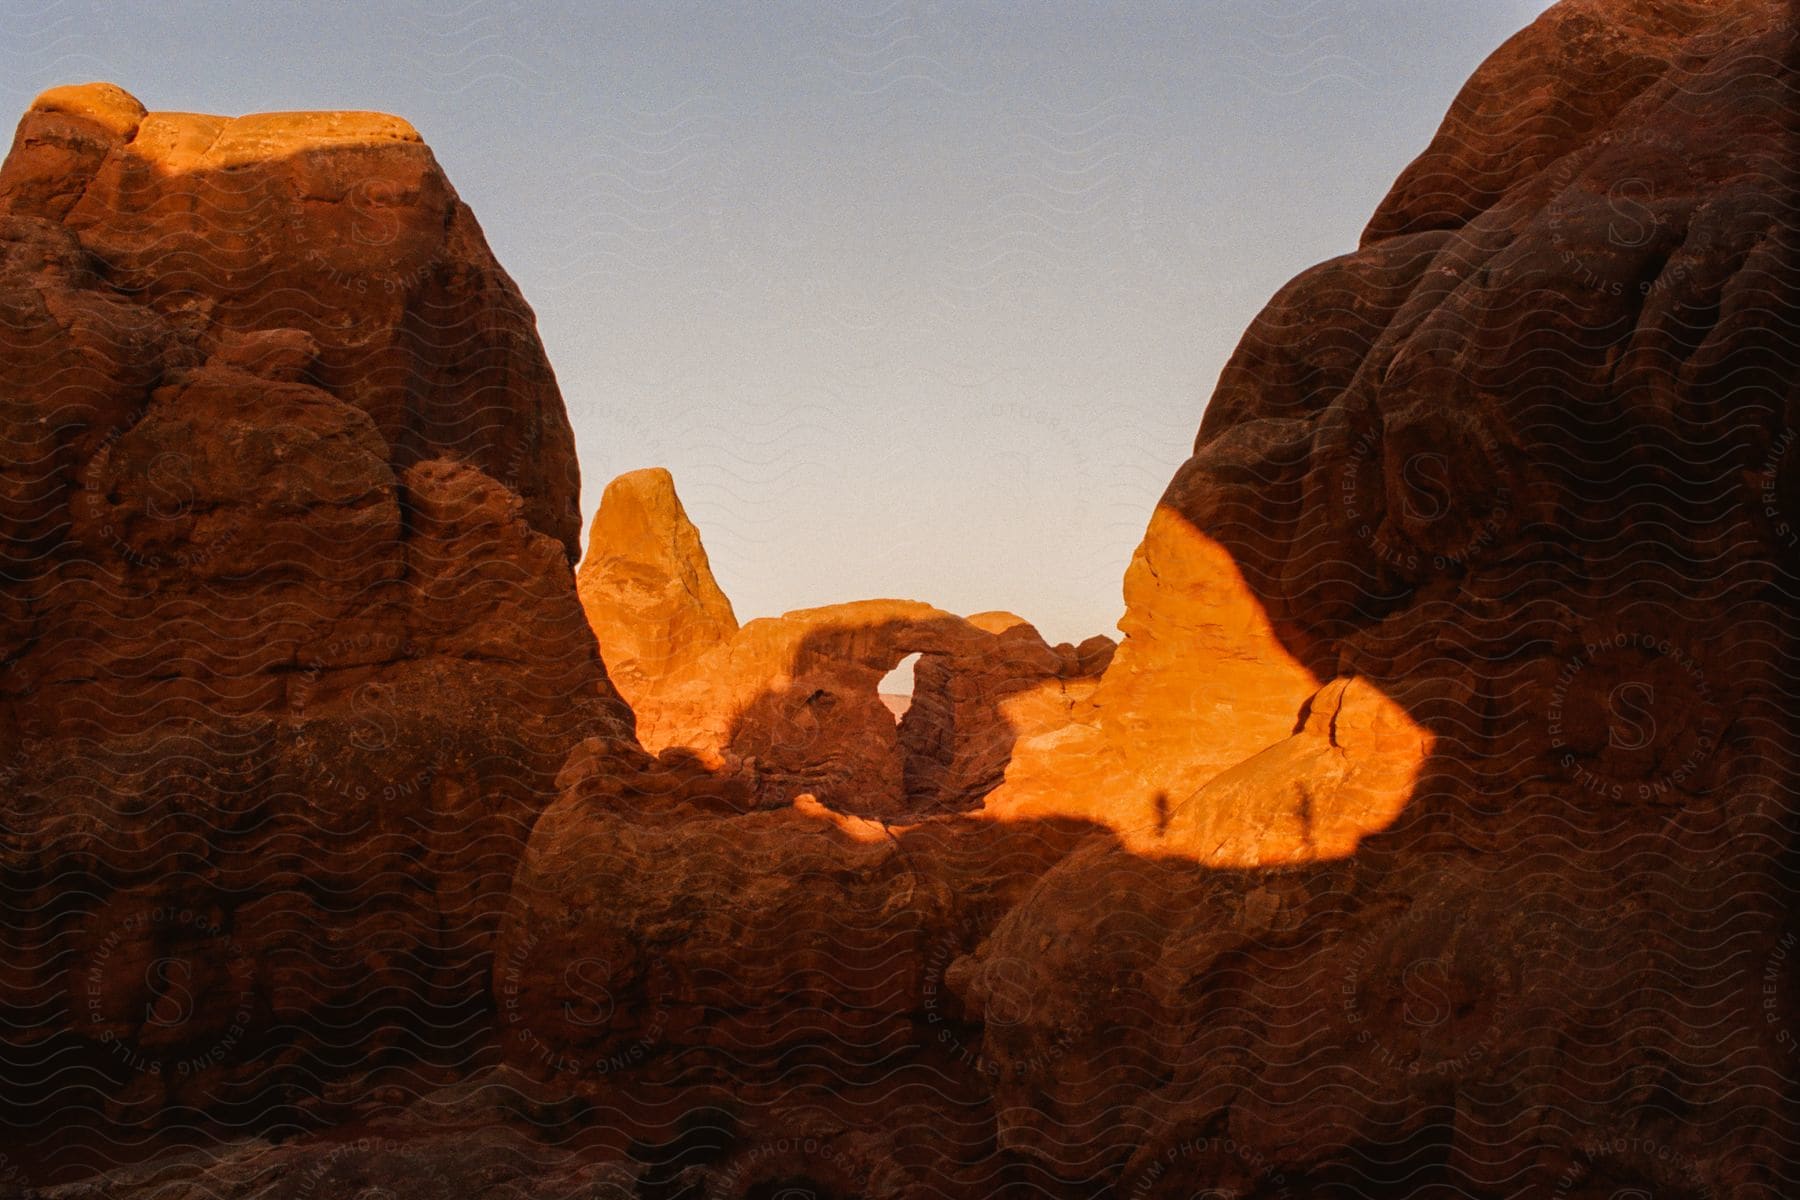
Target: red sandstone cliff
[1430, 833]
[791, 705]
[292, 646]
[1439, 791]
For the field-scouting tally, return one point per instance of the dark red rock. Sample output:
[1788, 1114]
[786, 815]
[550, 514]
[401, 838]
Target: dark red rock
[1430, 832]
[1512, 478]
[338, 225]
[293, 647]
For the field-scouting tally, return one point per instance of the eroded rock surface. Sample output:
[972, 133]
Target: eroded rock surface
[1430, 833]
[794, 702]
[647, 584]
[339, 225]
[1437, 798]
[293, 651]
[1507, 491]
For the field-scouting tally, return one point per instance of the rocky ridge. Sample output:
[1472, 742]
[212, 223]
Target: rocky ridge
[1428, 833]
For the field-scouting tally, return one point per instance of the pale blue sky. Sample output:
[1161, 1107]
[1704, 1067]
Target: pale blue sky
[915, 299]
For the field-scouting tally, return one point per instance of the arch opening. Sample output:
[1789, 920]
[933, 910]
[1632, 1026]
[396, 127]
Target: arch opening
[896, 687]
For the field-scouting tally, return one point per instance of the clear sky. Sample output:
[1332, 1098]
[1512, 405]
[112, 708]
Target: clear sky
[915, 299]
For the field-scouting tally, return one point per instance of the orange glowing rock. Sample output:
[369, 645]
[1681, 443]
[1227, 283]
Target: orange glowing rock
[794, 700]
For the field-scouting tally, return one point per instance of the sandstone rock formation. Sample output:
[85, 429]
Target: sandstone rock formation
[339, 225]
[1516, 470]
[293, 652]
[647, 583]
[793, 702]
[1429, 834]
[1439, 794]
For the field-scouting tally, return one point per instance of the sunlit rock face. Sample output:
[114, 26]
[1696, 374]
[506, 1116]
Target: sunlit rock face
[792, 704]
[1438, 795]
[1206, 738]
[1478, 439]
[1429, 833]
[647, 585]
[339, 225]
[1504, 498]
[293, 647]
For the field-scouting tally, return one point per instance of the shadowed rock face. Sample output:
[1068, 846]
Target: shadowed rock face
[1440, 779]
[293, 652]
[1530, 422]
[1430, 833]
[1518, 469]
[339, 226]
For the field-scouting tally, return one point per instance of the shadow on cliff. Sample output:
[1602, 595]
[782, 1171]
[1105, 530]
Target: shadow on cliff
[1548, 960]
[1547, 921]
[1062, 1002]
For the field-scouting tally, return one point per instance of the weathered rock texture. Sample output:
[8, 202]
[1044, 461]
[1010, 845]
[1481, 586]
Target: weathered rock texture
[647, 584]
[1440, 791]
[1430, 833]
[1511, 481]
[292, 648]
[338, 225]
[793, 703]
